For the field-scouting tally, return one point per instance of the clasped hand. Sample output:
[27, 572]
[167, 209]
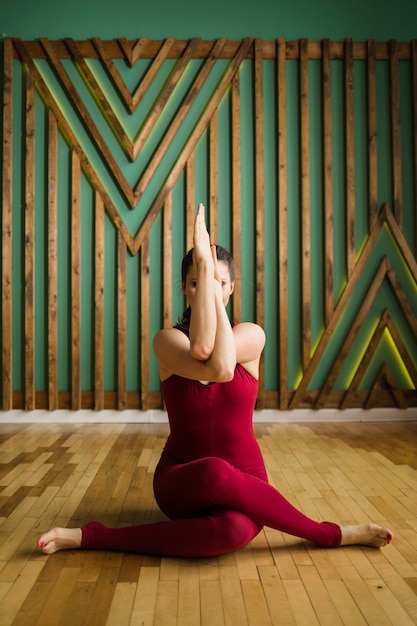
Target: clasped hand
[203, 251]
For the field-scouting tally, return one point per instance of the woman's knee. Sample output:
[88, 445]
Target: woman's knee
[196, 488]
[215, 476]
[235, 530]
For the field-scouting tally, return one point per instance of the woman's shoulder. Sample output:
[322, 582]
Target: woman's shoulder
[166, 336]
[250, 329]
[172, 330]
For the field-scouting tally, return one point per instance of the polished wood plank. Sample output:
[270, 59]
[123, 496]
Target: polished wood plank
[66, 474]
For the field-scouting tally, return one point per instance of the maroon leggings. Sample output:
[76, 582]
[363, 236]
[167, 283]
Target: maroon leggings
[214, 508]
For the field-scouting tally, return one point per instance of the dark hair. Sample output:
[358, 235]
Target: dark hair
[187, 262]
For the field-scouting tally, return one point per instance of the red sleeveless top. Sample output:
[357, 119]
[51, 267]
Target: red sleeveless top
[212, 420]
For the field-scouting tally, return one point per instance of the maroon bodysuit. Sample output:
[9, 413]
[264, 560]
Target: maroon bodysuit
[211, 480]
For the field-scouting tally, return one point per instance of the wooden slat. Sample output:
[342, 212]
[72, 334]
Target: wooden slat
[159, 105]
[121, 324]
[145, 323]
[150, 49]
[132, 54]
[100, 96]
[305, 400]
[385, 271]
[7, 311]
[282, 223]
[191, 203]
[405, 305]
[99, 304]
[414, 114]
[191, 143]
[30, 246]
[338, 309]
[406, 253]
[167, 263]
[52, 261]
[259, 204]
[89, 122]
[305, 203]
[383, 380]
[385, 322]
[364, 364]
[71, 138]
[75, 283]
[133, 50]
[236, 192]
[328, 182]
[289, 50]
[350, 160]
[396, 133]
[172, 130]
[372, 132]
[351, 335]
[213, 225]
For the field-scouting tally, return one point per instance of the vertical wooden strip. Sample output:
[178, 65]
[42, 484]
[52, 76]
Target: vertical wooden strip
[167, 262]
[7, 312]
[282, 223]
[191, 200]
[259, 201]
[214, 177]
[396, 133]
[75, 284]
[145, 322]
[372, 133]
[236, 193]
[305, 201]
[350, 159]
[52, 262]
[121, 323]
[30, 246]
[328, 180]
[414, 115]
[99, 304]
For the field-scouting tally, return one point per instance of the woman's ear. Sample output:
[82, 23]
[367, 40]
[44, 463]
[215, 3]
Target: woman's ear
[232, 287]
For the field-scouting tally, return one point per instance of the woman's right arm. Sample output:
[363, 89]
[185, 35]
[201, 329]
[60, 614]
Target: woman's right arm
[172, 351]
[175, 356]
[203, 321]
[209, 353]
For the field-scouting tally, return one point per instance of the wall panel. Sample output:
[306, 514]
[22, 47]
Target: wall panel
[305, 156]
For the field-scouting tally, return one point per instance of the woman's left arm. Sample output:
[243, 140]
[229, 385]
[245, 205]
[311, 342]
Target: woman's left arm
[250, 342]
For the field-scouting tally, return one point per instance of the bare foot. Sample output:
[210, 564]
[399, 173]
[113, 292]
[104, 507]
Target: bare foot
[366, 535]
[60, 539]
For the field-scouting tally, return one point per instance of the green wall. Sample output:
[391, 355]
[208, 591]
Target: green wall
[268, 19]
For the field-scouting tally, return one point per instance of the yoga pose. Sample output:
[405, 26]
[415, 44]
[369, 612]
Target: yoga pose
[211, 480]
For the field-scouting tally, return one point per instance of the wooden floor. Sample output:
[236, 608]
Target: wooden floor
[69, 474]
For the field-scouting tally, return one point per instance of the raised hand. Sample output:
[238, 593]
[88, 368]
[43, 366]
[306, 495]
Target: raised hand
[201, 250]
[217, 274]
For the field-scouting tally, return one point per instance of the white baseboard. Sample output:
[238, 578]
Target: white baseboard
[160, 417]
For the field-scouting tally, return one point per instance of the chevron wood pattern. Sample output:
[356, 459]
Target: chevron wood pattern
[122, 139]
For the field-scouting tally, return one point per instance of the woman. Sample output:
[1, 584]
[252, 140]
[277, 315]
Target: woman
[211, 480]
